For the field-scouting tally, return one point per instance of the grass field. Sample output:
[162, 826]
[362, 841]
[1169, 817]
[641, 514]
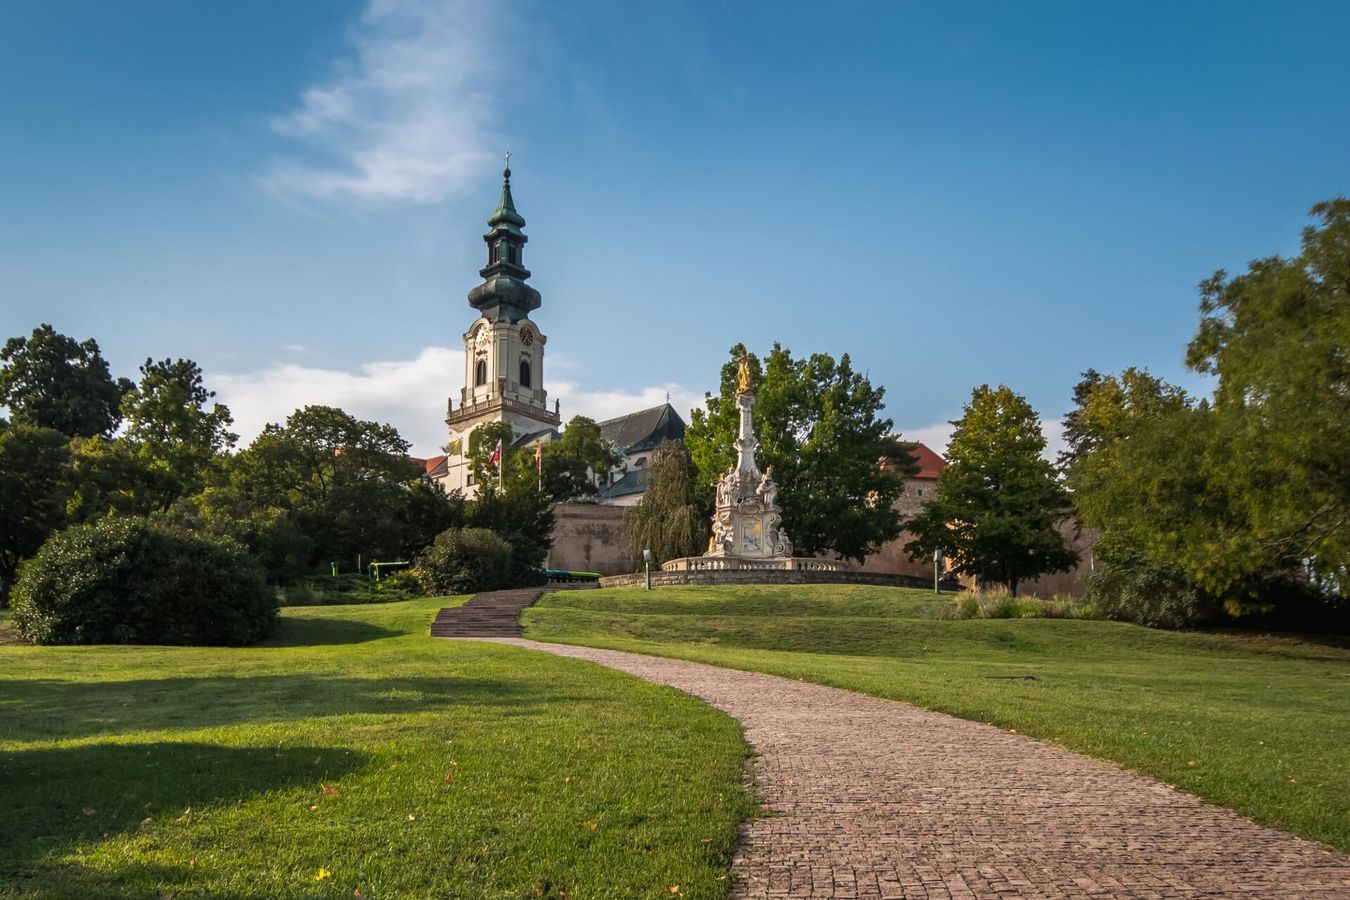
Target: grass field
[354, 756]
[1258, 724]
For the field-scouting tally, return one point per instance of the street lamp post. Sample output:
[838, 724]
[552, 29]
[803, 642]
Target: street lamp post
[647, 562]
[937, 562]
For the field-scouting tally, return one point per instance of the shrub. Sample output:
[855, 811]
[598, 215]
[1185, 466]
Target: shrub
[127, 581]
[326, 590]
[1128, 586]
[999, 604]
[969, 606]
[464, 561]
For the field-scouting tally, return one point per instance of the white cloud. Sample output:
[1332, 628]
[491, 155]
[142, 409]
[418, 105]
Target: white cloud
[408, 394]
[939, 434]
[406, 116]
[295, 348]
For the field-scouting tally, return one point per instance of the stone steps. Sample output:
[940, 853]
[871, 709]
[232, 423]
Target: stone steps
[493, 613]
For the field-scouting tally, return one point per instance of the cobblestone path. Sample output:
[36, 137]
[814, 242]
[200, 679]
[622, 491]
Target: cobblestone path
[873, 798]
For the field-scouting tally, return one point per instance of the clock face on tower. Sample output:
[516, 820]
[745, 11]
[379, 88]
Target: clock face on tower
[483, 336]
[526, 335]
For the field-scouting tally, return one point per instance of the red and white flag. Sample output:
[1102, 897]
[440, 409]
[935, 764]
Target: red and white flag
[496, 454]
[538, 454]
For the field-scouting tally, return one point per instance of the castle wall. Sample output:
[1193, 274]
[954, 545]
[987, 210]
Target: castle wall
[588, 537]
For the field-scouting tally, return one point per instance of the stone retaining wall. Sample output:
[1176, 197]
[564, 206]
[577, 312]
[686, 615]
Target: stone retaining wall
[773, 576]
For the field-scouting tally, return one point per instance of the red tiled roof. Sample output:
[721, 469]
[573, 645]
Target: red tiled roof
[429, 465]
[930, 464]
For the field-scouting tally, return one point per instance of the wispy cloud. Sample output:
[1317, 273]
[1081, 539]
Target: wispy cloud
[408, 394]
[407, 115]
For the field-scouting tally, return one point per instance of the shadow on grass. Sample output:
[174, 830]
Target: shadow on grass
[316, 632]
[47, 709]
[57, 799]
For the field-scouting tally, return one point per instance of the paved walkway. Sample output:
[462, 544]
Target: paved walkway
[873, 798]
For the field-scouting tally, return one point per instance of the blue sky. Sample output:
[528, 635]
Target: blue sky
[954, 193]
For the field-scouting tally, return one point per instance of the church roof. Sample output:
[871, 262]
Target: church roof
[633, 482]
[547, 435]
[644, 429]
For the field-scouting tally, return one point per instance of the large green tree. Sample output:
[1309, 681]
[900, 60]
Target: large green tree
[819, 425]
[669, 519]
[170, 427]
[345, 482]
[998, 503]
[1242, 498]
[1277, 339]
[53, 381]
[34, 482]
[1139, 470]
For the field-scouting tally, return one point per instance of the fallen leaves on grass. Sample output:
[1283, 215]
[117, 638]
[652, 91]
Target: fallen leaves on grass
[88, 810]
[322, 874]
[330, 791]
[592, 825]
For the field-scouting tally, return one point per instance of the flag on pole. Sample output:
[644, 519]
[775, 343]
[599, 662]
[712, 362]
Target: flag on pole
[539, 464]
[496, 454]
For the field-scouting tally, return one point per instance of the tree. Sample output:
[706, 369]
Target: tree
[1277, 338]
[570, 461]
[1243, 497]
[108, 477]
[668, 520]
[53, 381]
[483, 443]
[34, 484]
[523, 516]
[464, 561]
[170, 428]
[818, 424]
[1138, 470]
[998, 502]
[346, 483]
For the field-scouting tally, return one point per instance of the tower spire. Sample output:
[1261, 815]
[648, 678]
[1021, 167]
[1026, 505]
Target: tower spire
[505, 213]
[504, 293]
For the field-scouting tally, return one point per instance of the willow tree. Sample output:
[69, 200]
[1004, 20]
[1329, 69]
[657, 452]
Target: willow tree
[668, 520]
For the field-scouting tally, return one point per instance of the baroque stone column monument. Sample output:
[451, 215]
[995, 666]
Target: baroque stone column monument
[747, 525]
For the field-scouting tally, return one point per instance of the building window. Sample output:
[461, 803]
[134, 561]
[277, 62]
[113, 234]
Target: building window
[469, 480]
[480, 373]
[525, 373]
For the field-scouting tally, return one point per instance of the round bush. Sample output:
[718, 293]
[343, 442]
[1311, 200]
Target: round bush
[464, 561]
[127, 581]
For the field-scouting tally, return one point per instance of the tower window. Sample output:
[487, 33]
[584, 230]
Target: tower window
[480, 373]
[525, 373]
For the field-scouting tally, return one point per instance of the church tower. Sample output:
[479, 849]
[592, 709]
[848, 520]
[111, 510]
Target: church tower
[503, 349]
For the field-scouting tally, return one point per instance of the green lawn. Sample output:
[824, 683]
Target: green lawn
[1259, 724]
[354, 744]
